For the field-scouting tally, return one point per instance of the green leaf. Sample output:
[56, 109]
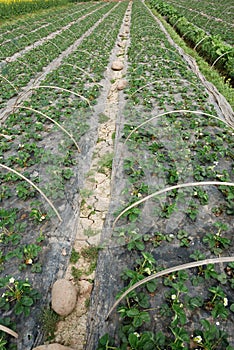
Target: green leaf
[160, 339]
[151, 286]
[143, 300]
[140, 245]
[130, 273]
[149, 257]
[180, 316]
[195, 302]
[104, 339]
[219, 310]
[205, 324]
[217, 291]
[133, 339]
[19, 309]
[137, 322]
[26, 311]
[222, 278]
[232, 307]
[26, 301]
[140, 319]
[132, 312]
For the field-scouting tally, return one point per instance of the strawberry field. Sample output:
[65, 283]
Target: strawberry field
[210, 36]
[214, 17]
[165, 271]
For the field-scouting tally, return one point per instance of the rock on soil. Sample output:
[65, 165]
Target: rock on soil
[54, 346]
[85, 287]
[122, 84]
[117, 65]
[64, 297]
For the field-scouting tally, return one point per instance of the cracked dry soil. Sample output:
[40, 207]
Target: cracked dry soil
[71, 330]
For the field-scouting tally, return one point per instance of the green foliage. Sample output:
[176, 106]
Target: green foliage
[75, 256]
[11, 9]
[76, 273]
[18, 295]
[105, 163]
[211, 47]
[49, 320]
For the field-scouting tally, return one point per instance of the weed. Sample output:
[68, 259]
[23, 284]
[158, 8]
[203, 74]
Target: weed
[75, 256]
[87, 303]
[89, 232]
[76, 273]
[90, 253]
[49, 320]
[105, 163]
[102, 118]
[85, 193]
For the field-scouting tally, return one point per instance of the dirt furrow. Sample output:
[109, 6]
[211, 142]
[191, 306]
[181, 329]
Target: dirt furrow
[94, 206]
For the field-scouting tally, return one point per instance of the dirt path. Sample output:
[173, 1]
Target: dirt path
[72, 330]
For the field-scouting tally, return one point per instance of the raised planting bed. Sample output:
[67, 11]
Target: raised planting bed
[37, 234]
[172, 142]
[29, 32]
[18, 74]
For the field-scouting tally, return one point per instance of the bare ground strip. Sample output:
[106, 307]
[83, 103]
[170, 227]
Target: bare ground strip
[72, 330]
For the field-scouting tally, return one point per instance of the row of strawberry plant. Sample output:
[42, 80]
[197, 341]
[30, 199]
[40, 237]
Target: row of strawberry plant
[11, 46]
[12, 30]
[218, 9]
[171, 148]
[212, 48]
[32, 146]
[214, 19]
[21, 71]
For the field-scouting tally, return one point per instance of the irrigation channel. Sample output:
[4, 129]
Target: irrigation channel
[129, 154]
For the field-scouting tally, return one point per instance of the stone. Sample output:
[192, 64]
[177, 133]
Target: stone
[54, 346]
[122, 84]
[120, 44]
[85, 287]
[117, 65]
[64, 297]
